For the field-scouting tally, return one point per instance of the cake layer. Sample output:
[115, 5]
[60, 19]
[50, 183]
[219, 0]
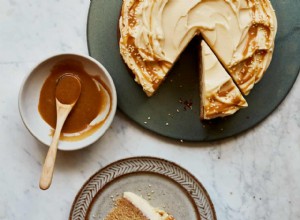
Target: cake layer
[125, 210]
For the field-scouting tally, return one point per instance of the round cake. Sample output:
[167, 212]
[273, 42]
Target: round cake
[240, 33]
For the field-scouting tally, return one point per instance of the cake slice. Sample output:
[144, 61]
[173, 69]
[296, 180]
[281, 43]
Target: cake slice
[133, 207]
[219, 95]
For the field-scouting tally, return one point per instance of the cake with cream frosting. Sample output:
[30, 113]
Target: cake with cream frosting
[134, 207]
[153, 34]
[219, 95]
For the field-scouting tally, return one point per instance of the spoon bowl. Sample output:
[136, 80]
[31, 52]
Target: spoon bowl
[30, 93]
[68, 90]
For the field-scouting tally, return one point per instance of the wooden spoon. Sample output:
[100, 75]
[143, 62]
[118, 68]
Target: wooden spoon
[68, 89]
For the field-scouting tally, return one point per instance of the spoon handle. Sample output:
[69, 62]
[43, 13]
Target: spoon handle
[47, 172]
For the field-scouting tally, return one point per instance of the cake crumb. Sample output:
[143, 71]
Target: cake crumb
[181, 141]
[187, 104]
[149, 118]
[145, 122]
[167, 123]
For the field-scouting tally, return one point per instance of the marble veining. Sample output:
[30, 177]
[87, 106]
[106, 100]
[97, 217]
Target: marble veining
[251, 176]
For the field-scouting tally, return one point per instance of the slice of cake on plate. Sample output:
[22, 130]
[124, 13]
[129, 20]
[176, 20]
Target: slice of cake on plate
[219, 95]
[133, 207]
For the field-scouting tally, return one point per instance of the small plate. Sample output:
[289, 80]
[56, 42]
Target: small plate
[159, 181]
[174, 110]
[30, 93]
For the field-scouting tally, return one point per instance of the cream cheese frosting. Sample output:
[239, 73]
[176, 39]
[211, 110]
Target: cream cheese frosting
[148, 211]
[154, 33]
[220, 96]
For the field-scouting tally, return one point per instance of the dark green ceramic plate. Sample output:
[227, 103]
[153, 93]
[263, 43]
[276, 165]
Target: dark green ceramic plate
[174, 110]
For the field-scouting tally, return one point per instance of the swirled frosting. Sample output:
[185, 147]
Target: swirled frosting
[154, 33]
[219, 95]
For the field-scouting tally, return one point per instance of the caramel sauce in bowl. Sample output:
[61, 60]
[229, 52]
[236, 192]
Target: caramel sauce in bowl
[91, 116]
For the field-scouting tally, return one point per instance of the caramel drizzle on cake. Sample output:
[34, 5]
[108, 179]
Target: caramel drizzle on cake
[148, 73]
[249, 71]
[224, 102]
[264, 25]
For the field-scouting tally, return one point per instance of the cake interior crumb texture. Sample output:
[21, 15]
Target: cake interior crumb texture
[124, 210]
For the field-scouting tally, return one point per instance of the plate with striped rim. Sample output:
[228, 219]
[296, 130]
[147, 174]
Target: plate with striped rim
[159, 181]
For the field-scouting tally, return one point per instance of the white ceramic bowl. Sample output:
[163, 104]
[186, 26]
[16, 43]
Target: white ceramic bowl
[30, 93]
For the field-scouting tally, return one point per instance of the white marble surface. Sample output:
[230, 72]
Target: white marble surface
[253, 176]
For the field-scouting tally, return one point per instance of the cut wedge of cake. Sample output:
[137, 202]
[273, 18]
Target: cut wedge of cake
[219, 95]
[133, 207]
